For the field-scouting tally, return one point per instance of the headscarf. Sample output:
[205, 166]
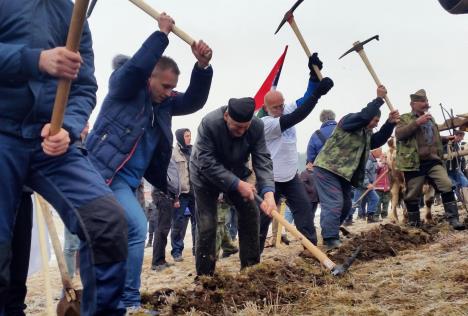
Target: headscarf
[179, 134]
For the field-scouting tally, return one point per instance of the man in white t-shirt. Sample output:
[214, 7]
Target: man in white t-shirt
[280, 136]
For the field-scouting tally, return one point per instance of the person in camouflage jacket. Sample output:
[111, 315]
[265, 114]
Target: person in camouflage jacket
[341, 162]
[419, 156]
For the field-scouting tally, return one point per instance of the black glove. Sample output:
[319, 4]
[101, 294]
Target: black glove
[314, 60]
[323, 87]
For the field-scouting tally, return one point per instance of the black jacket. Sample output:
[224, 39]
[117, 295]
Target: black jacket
[221, 160]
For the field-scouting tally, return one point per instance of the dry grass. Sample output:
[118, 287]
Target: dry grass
[429, 279]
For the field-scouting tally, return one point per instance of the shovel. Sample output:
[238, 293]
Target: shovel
[335, 269]
[69, 304]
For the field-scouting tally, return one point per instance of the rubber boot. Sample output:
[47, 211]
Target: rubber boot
[451, 212]
[414, 218]
[371, 218]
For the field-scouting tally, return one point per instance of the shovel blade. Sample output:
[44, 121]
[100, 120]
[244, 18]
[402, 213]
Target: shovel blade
[72, 308]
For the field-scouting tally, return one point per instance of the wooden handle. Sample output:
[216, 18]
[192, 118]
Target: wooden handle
[460, 153]
[73, 44]
[298, 33]
[314, 250]
[368, 190]
[44, 257]
[66, 281]
[374, 75]
[155, 14]
[280, 227]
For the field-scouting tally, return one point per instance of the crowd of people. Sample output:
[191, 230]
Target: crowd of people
[238, 158]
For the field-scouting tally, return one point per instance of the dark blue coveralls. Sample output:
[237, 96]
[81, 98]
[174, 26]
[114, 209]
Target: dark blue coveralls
[69, 182]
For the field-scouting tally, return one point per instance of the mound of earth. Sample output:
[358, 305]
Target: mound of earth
[283, 282]
[385, 241]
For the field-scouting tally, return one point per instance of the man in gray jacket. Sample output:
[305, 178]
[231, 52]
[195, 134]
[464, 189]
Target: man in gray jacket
[226, 138]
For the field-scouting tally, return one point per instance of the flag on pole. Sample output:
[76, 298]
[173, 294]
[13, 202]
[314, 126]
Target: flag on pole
[271, 81]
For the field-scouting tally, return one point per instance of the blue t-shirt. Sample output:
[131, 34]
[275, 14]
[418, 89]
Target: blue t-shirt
[135, 168]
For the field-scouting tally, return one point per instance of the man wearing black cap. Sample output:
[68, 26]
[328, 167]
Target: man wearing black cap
[226, 138]
[419, 156]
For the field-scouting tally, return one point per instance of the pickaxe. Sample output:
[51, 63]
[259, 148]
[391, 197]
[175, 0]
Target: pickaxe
[359, 48]
[335, 269]
[155, 14]
[289, 17]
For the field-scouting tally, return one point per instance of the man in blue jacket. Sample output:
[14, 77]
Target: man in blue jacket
[31, 62]
[320, 136]
[132, 136]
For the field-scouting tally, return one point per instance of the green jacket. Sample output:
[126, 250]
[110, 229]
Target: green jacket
[408, 158]
[345, 154]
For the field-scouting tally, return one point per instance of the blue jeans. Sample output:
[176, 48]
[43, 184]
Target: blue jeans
[369, 203]
[137, 230]
[179, 224]
[458, 179]
[335, 201]
[288, 215]
[87, 207]
[71, 246]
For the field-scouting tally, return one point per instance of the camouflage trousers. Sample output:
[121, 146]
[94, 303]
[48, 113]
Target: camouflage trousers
[382, 205]
[223, 240]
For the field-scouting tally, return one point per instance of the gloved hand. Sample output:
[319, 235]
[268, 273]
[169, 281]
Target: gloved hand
[323, 87]
[314, 60]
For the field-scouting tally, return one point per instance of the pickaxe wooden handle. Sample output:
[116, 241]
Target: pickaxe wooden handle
[44, 257]
[314, 250]
[155, 14]
[73, 44]
[66, 281]
[366, 61]
[299, 36]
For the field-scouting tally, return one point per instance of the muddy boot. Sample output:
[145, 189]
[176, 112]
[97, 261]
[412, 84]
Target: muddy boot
[150, 240]
[331, 243]
[451, 212]
[414, 218]
[371, 218]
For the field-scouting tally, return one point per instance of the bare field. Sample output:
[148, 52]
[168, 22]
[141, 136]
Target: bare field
[400, 271]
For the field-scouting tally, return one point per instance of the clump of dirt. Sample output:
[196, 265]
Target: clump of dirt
[384, 241]
[270, 282]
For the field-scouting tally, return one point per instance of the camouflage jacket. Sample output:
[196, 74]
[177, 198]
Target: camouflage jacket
[345, 154]
[408, 153]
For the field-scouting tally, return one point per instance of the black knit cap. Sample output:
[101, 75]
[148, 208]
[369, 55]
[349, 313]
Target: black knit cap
[241, 110]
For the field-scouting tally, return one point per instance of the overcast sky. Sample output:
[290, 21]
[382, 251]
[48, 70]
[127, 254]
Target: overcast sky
[421, 46]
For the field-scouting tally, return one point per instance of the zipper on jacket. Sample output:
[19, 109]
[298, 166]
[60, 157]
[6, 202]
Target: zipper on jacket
[130, 154]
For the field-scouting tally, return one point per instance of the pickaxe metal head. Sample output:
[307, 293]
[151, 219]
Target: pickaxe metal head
[91, 8]
[358, 46]
[288, 14]
[341, 269]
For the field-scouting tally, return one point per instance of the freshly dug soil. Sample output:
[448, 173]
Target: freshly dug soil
[385, 241]
[271, 282]
[280, 282]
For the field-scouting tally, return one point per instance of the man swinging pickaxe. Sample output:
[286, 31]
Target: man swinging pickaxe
[289, 17]
[359, 48]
